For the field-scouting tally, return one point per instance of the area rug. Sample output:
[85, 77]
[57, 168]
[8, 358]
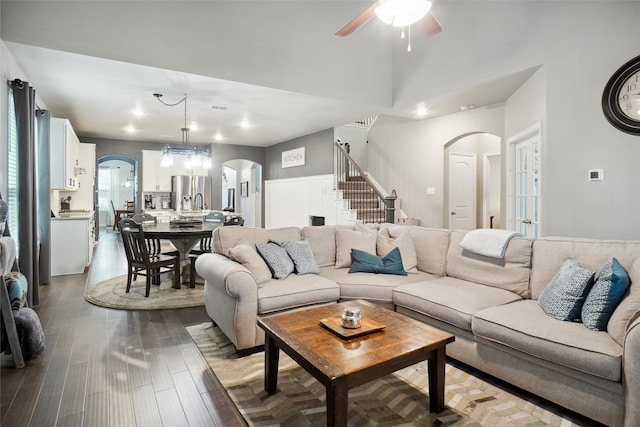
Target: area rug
[399, 399]
[111, 294]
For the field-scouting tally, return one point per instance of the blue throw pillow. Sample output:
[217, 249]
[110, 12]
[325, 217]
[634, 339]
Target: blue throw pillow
[17, 286]
[611, 284]
[564, 296]
[276, 258]
[364, 262]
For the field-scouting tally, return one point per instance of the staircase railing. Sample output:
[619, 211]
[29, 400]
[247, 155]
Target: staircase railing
[363, 196]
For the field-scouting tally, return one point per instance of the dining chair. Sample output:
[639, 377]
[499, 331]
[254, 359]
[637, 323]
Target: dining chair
[205, 246]
[155, 246]
[144, 258]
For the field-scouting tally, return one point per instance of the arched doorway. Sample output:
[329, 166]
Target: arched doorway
[242, 190]
[117, 182]
[473, 182]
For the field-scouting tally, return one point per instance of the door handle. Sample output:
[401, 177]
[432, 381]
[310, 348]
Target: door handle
[453, 213]
[526, 221]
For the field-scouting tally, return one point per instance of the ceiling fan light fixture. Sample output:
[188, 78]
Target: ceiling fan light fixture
[401, 13]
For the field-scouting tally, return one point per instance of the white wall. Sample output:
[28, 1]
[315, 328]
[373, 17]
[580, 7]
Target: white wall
[408, 156]
[496, 39]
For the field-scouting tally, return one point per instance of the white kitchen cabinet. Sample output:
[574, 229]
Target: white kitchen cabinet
[71, 245]
[154, 177]
[64, 147]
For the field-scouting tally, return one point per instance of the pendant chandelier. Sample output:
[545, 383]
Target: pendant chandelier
[195, 157]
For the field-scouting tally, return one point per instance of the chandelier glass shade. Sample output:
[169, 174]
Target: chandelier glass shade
[195, 157]
[402, 13]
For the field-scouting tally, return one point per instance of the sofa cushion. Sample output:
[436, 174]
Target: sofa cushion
[371, 287]
[564, 296]
[510, 273]
[323, 243]
[296, 291]
[302, 256]
[450, 300]
[364, 262]
[225, 238]
[247, 256]
[611, 284]
[385, 243]
[431, 247]
[628, 308]
[550, 252]
[351, 239]
[276, 258]
[523, 326]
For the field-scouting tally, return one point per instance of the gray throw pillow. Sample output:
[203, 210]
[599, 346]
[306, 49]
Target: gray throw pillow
[276, 258]
[301, 254]
[564, 296]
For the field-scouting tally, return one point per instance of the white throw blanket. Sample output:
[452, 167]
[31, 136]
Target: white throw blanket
[490, 242]
[7, 254]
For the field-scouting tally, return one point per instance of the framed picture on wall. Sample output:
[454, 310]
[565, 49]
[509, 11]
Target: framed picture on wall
[244, 189]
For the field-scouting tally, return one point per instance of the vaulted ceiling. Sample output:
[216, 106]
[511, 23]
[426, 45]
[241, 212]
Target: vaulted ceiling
[255, 72]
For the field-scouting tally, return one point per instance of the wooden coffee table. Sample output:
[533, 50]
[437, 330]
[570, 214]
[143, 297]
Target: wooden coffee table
[341, 364]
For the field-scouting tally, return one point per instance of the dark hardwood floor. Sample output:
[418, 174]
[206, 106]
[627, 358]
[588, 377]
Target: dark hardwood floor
[105, 367]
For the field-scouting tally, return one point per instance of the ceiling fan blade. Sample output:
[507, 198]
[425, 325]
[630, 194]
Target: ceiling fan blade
[430, 25]
[358, 21]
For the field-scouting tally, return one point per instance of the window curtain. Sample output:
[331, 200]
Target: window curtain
[33, 190]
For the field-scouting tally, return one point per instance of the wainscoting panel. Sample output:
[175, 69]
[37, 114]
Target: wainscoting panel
[290, 202]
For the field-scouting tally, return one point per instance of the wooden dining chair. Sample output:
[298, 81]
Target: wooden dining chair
[143, 258]
[205, 246]
[155, 246]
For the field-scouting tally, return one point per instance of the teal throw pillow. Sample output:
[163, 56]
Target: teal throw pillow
[16, 284]
[564, 296]
[364, 262]
[611, 284]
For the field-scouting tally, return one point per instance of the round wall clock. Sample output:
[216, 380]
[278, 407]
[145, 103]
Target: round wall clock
[621, 98]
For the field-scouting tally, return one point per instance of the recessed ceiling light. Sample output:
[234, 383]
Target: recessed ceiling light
[218, 137]
[137, 112]
[467, 107]
[193, 126]
[130, 129]
[245, 124]
[422, 111]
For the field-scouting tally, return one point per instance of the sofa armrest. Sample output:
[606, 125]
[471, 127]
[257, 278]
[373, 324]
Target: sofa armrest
[231, 298]
[631, 373]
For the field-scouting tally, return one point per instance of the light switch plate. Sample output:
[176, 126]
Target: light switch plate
[431, 191]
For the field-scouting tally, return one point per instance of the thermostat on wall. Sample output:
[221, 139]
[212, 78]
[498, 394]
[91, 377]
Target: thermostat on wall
[596, 174]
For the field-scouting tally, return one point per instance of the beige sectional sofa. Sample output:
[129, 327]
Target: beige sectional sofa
[489, 304]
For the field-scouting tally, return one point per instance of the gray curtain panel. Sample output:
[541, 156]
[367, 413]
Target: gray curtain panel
[33, 190]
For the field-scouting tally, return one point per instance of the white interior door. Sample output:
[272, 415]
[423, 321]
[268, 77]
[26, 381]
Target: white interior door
[525, 184]
[462, 191]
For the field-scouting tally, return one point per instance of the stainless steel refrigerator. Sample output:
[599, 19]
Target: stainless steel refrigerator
[188, 192]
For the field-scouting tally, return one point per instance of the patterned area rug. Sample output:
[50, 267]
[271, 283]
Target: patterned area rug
[400, 399]
[111, 294]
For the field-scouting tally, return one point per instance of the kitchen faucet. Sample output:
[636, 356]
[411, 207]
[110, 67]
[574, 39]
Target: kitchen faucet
[195, 205]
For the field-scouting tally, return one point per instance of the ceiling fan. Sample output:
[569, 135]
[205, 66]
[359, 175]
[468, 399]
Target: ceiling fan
[398, 13]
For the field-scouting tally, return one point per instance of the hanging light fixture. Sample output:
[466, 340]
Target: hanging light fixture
[403, 13]
[195, 157]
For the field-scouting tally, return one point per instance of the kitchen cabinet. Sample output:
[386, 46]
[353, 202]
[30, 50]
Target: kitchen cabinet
[72, 241]
[64, 152]
[155, 178]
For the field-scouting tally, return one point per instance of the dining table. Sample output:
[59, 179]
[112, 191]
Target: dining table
[183, 237]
